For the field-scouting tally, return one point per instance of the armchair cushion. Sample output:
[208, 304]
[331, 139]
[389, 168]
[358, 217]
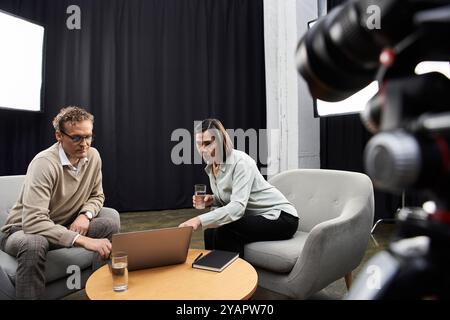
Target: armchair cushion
[56, 265]
[8, 264]
[59, 260]
[276, 256]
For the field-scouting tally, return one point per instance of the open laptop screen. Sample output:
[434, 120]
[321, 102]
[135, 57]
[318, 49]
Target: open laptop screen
[154, 248]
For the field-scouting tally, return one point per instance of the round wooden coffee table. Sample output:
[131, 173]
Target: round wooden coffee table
[178, 282]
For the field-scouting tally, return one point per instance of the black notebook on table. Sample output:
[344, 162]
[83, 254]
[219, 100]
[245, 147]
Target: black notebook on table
[216, 260]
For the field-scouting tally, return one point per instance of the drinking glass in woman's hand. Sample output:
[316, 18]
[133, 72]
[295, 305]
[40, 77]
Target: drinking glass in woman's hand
[202, 201]
[199, 196]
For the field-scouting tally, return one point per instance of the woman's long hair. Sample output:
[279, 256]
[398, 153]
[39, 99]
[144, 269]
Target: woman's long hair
[220, 135]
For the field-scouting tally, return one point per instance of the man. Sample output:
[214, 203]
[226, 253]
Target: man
[60, 204]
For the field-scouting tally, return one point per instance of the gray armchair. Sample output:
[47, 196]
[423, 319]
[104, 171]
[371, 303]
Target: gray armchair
[58, 260]
[336, 214]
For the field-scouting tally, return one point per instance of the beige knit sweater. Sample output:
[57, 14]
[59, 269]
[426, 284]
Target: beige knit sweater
[51, 197]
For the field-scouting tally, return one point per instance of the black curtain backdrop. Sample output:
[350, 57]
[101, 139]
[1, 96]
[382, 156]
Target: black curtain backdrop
[343, 139]
[144, 68]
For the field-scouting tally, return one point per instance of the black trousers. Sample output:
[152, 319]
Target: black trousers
[235, 235]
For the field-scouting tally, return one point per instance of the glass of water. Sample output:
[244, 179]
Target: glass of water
[119, 270]
[199, 193]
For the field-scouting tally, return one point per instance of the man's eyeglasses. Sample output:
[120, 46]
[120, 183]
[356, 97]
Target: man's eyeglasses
[78, 139]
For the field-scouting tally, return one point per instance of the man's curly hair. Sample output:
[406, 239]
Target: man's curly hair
[71, 114]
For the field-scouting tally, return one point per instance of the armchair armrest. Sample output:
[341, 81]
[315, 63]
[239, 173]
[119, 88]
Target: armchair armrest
[334, 247]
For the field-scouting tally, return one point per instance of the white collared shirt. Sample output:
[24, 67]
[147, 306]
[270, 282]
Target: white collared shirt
[72, 170]
[240, 189]
[65, 162]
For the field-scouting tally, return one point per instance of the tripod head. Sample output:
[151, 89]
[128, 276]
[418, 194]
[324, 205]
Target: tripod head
[409, 117]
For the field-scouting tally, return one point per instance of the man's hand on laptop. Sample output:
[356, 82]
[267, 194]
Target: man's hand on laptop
[194, 223]
[101, 246]
[80, 225]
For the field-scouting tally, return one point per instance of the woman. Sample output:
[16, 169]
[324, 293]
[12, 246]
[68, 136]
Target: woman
[249, 208]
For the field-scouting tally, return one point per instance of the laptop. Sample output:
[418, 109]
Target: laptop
[154, 248]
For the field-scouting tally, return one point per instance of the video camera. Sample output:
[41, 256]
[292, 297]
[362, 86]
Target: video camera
[362, 41]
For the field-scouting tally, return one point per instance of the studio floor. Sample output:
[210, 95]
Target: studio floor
[137, 221]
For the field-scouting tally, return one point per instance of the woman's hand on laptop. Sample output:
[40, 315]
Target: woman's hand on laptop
[101, 246]
[194, 223]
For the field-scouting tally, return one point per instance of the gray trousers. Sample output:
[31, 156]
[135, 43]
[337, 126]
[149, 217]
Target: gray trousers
[31, 250]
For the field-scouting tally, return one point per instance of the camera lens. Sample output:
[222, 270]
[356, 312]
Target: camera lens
[337, 57]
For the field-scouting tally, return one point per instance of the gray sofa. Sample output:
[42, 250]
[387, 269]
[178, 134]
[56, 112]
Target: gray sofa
[58, 261]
